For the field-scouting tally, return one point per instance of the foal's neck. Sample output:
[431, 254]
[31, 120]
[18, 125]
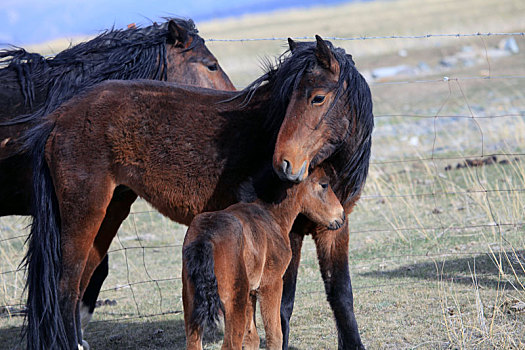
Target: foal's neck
[285, 212]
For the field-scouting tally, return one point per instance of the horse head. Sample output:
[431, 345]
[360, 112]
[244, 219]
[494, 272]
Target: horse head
[189, 60]
[316, 119]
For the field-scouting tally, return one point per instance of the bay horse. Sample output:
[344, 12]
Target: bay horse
[187, 150]
[29, 83]
[236, 256]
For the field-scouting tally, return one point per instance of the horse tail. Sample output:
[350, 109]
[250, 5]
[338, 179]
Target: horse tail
[44, 325]
[207, 305]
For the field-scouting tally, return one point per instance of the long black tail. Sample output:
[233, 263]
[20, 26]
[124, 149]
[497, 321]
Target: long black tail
[207, 304]
[44, 324]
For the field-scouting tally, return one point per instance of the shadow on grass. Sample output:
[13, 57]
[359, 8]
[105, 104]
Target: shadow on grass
[136, 334]
[132, 335]
[460, 270]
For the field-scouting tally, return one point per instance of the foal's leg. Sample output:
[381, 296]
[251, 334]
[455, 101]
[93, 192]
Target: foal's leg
[193, 336]
[82, 210]
[251, 337]
[234, 290]
[332, 252]
[270, 299]
[116, 213]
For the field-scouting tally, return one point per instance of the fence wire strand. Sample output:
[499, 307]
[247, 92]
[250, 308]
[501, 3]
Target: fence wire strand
[437, 190]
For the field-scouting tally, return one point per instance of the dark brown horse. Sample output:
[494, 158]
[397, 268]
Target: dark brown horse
[30, 83]
[236, 256]
[185, 150]
[33, 84]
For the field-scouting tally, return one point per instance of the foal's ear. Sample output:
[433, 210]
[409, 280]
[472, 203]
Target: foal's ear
[178, 34]
[292, 44]
[324, 55]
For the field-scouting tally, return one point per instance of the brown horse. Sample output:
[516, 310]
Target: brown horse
[182, 157]
[172, 51]
[185, 150]
[236, 256]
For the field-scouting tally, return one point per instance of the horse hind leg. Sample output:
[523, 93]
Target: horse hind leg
[251, 337]
[234, 290]
[270, 299]
[97, 268]
[82, 212]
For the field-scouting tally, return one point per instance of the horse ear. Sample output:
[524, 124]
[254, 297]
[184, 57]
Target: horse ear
[292, 44]
[178, 34]
[324, 56]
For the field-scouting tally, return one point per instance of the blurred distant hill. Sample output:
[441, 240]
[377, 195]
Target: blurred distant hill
[34, 21]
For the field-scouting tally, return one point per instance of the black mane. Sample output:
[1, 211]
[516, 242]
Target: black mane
[350, 160]
[134, 53]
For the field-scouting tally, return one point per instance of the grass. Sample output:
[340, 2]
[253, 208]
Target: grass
[430, 268]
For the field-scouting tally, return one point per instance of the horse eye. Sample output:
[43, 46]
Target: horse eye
[318, 99]
[213, 67]
[324, 185]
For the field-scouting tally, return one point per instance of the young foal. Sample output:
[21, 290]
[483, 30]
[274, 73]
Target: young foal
[233, 256]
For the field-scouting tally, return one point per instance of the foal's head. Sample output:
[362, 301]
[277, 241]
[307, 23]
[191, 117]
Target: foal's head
[318, 202]
[189, 60]
[318, 117]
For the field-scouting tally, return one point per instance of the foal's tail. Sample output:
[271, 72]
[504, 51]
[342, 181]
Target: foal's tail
[45, 328]
[207, 304]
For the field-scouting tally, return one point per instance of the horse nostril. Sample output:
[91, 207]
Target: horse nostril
[286, 167]
[302, 171]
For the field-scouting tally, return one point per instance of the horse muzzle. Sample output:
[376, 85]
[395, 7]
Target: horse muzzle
[286, 172]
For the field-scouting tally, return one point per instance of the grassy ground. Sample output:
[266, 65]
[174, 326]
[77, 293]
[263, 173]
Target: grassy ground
[437, 257]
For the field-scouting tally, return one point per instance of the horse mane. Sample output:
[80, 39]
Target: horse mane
[350, 161]
[25, 64]
[133, 53]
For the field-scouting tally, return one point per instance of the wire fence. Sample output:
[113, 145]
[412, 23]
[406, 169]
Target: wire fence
[447, 182]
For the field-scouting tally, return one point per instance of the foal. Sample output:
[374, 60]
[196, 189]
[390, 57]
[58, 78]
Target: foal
[233, 256]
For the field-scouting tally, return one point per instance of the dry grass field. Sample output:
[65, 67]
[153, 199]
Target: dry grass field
[437, 251]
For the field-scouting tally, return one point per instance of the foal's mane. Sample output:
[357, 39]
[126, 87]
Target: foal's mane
[133, 53]
[350, 160]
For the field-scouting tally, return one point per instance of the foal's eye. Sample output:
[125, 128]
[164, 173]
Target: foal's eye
[324, 185]
[318, 99]
[212, 67]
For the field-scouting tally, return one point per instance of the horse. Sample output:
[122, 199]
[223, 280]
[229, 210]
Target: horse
[172, 51]
[236, 256]
[31, 83]
[185, 150]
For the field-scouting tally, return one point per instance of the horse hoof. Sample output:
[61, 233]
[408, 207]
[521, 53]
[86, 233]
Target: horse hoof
[84, 346]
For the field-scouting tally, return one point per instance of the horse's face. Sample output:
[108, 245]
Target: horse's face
[319, 202]
[312, 127]
[193, 65]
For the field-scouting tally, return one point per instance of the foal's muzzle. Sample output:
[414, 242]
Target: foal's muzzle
[337, 224]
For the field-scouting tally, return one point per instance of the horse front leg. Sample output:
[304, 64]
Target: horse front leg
[289, 285]
[332, 252]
